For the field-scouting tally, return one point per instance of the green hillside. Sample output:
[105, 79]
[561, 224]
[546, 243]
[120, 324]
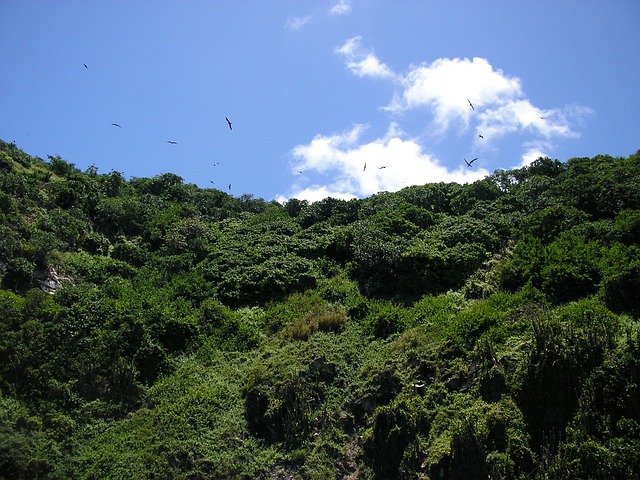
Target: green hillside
[154, 329]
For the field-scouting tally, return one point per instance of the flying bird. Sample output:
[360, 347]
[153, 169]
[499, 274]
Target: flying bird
[471, 104]
[228, 122]
[229, 186]
[470, 162]
[380, 168]
[85, 65]
[116, 125]
[172, 142]
[365, 167]
[480, 136]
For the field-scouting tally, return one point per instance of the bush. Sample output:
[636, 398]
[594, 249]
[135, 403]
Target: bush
[323, 318]
[96, 268]
[224, 329]
[571, 269]
[627, 226]
[621, 279]
[386, 318]
[19, 433]
[271, 280]
[567, 345]
[18, 274]
[133, 251]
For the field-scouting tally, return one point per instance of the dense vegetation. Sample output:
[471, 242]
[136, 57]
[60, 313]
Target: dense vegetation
[153, 329]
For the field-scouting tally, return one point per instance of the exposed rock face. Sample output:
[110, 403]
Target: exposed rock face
[47, 280]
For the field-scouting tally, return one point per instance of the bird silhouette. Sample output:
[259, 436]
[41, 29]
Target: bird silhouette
[228, 122]
[380, 168]
[85, 65]
[116, 125]
[470, 161]
[471, 104]
[229, 186]
[172, 142]
[480, 136]
[365, 167]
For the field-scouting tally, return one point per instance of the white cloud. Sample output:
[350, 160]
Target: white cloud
[392, 163]
[446, 86]
[500, 106]
[296, 23]
[362, 62]
[343, 7]
[315, 193]
[521, 115]
[533, 151]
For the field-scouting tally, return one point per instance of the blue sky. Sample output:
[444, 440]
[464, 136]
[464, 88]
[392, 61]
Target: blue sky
[317, 89]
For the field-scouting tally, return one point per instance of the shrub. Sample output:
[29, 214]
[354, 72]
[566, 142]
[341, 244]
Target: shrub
[18, 274]
[96, 268]
[621, 279]
[224, 329]
[323, 318]
[386, 318]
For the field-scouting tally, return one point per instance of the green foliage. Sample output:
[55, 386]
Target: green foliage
[602, 440]
[130, 250]
[603, 186]
[621, 278]
[192, 427]
[301, 315]
[385, 318]
[567, 345]
[270, 280]
[19, 432]
[95, 268]
[18, 272]
[566, 269]
[61, 167]
[569, 272]
[153, 329]
[323, 318]
[224, 329]
[473, 439]
[332, 210]
[433, 197]
[548, 223]
[627, 226]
